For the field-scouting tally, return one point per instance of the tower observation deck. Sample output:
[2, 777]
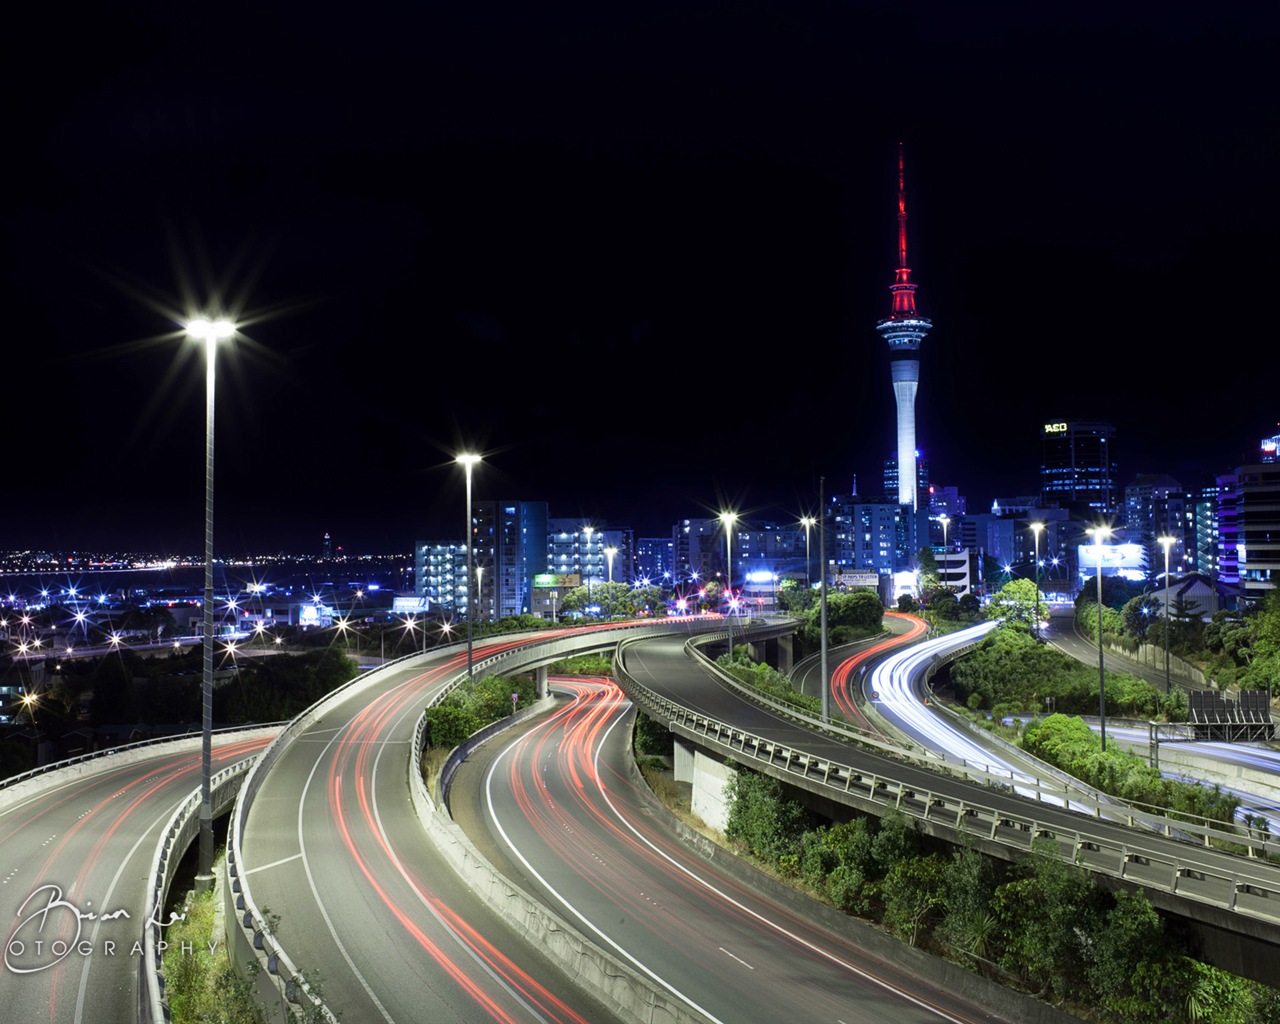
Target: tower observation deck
[904, 330]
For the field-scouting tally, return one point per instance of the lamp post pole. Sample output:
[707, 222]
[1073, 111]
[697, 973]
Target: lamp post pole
[823, 672]
[609, 554]
[1099, 534]
[944, 574]
[1166, 542]
[586, 561]
[468, 461]
[807, 522]
[1037, 529]
[727, 519]
[210, 333]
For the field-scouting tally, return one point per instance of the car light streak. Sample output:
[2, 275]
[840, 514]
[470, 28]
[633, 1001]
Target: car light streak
[892, 680]
[685, 914]
[841, 682]
[350, 761]
[90, 876]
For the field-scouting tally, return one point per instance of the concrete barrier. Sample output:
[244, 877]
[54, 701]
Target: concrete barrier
[626, 991]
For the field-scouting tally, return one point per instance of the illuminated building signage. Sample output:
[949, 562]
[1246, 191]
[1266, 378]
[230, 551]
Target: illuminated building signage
[551, 579]
[1055, 428]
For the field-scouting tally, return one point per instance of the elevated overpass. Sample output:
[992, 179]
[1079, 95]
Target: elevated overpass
[1232, 901]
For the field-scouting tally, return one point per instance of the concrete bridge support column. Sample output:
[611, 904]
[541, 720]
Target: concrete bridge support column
[682, 762]
[786, 654]
[540, 680]
[776, 652]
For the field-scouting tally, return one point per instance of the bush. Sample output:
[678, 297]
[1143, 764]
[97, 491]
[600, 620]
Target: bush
[1013, 670]
[472, 706]
[768, 681]
[1067, 743]
[759, 818]
[652, 737]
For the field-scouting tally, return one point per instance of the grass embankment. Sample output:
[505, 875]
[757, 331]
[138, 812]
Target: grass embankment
[199, 981]
[1011, 674]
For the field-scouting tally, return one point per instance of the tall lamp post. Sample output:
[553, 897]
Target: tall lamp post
[1166, 542]
[807, 522]
[586, 561]
[609, 554]
[467, 461]
[1037, 529]
[945, 575]
[209, 332]
[727, 519]
[1099, 534]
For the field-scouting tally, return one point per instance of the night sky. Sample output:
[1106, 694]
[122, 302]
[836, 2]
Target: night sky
[633, 254]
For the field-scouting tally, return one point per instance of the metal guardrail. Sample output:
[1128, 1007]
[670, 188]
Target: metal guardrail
[182, 829]
[1065, 789]
[1054, 787]
[526, 650]
[121, 748]
[1254, 893]
[278, 971]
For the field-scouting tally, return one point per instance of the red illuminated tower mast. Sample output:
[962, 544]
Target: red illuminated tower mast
[904, 330]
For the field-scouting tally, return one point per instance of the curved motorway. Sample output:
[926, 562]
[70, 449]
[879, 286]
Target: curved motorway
[334, 848]
[560, 809]
[75, 854]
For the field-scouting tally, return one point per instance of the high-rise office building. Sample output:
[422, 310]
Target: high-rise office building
[510, 550]
[904, 329]
[1156, 506]
[575, 548]
[1202, 547]
[440, 573]
[1078, 466]
[1249, 528]
[866, 534]
[922, 485]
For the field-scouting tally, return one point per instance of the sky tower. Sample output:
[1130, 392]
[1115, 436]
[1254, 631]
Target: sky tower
[903, 329]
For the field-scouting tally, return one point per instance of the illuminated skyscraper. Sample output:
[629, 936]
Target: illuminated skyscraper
[904, 330]
[1078, 466]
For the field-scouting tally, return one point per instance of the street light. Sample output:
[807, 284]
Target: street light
[808, 523]
[1099, 534]
[467, 461]
[210, 332]
[727, 519]
[1166, 542]
[609, 553]
[1037, 529]
[586, 561]
[945, 577]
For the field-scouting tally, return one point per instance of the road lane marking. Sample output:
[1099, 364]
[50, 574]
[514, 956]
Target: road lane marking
[738, 958]
[273, 864]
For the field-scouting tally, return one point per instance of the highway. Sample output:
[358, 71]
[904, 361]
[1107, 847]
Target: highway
[851, 661]
[561, 810]
[75, 851]
[337, 859]
[334, 848]
[1259, 800]
[657, 676]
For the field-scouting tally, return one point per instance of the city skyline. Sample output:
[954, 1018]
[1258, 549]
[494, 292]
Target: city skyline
[643, 288]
